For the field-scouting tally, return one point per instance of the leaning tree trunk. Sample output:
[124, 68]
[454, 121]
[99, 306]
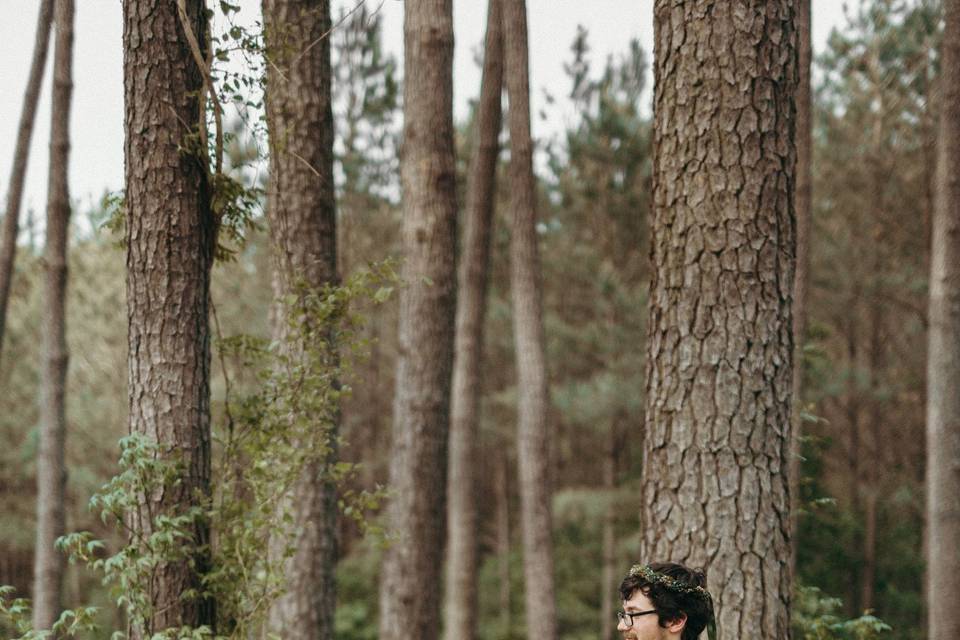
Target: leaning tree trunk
[11, 219]
[302, 218]
[533, 444]
[409, 598]
[801, 279]
[170, 235]
[51, 469]
[716, 449]
[943, 365]
[461, 607]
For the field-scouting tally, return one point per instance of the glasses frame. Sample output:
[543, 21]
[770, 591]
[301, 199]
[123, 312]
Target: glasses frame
[626, 619]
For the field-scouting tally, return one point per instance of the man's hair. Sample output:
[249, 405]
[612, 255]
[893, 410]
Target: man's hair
[675, 592]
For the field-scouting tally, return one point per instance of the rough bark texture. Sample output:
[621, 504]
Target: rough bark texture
[170, 241]
[800, 279]
[409, 597]
[302, 217]
[21, 153]
[461, 607]
[943, 365]
[48, 567]
[720, 349]
[533, 445]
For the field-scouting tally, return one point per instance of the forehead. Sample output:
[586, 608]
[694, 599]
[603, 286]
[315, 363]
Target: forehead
[638, 601]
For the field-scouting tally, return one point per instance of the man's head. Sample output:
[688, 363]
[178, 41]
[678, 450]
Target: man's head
[668, 602]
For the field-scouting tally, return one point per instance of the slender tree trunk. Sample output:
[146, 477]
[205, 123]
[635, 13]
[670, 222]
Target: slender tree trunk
[461, 608]
[409, 597]
[869, 575]
[609, 574]
[943, 364]
[502, 491]
[51, 468]
[533, 444]
[716, 451]
[302, 216]
[866, 462]
[870, 434]
[801, 279]
[171, 235]
[854, 414]
[11, 218]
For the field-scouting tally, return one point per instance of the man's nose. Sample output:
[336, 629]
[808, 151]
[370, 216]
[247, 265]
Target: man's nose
[621, 626]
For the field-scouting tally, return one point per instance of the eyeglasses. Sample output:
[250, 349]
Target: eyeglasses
[626, 619]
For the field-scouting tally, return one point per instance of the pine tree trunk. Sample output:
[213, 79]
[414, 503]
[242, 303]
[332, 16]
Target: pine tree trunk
[462, 522]
[302, 219]
[502, 493]
[870, 434]
[533, 450]
[21, 153]
[48, 565]
[943, 365]
[609, 575]
[801, 279]
[717, 446]
[409, 597]
[868, 576]
[171, 235]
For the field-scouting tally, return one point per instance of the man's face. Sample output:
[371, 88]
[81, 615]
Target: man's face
[646, 627]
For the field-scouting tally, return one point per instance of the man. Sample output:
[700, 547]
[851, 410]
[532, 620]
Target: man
[665, 601]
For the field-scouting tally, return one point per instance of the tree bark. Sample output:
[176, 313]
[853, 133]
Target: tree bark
[302, 217]
[608, 602]
[11, 219]
[801, 279]
[870, 438]
[943, 364]
[170, 235]
[716, 451]
[461, 608]
[51, 468]
[409, 598]
[533, 445]
[502, 496]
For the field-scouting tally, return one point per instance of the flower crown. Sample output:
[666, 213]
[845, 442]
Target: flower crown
[673, 584]
[678, 586]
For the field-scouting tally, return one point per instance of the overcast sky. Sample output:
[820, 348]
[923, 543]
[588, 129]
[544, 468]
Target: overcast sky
[96, 161]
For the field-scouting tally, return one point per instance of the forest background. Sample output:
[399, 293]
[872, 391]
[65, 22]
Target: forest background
[861, 529]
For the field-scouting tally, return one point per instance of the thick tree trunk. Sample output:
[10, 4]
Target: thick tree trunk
[51, 469]
[716, 451]
[943, 365]
[171, 235]
[533, 444]
[21, 153]
[461, 607]
[801, 279]
[302, 217]
[409, 598]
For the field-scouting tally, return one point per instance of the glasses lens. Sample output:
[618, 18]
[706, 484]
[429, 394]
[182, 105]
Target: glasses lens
[624, 619]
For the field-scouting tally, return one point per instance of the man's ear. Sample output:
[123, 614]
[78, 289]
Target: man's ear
[676, 626]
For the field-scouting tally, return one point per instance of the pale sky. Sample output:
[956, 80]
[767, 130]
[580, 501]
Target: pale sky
[96, 161]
